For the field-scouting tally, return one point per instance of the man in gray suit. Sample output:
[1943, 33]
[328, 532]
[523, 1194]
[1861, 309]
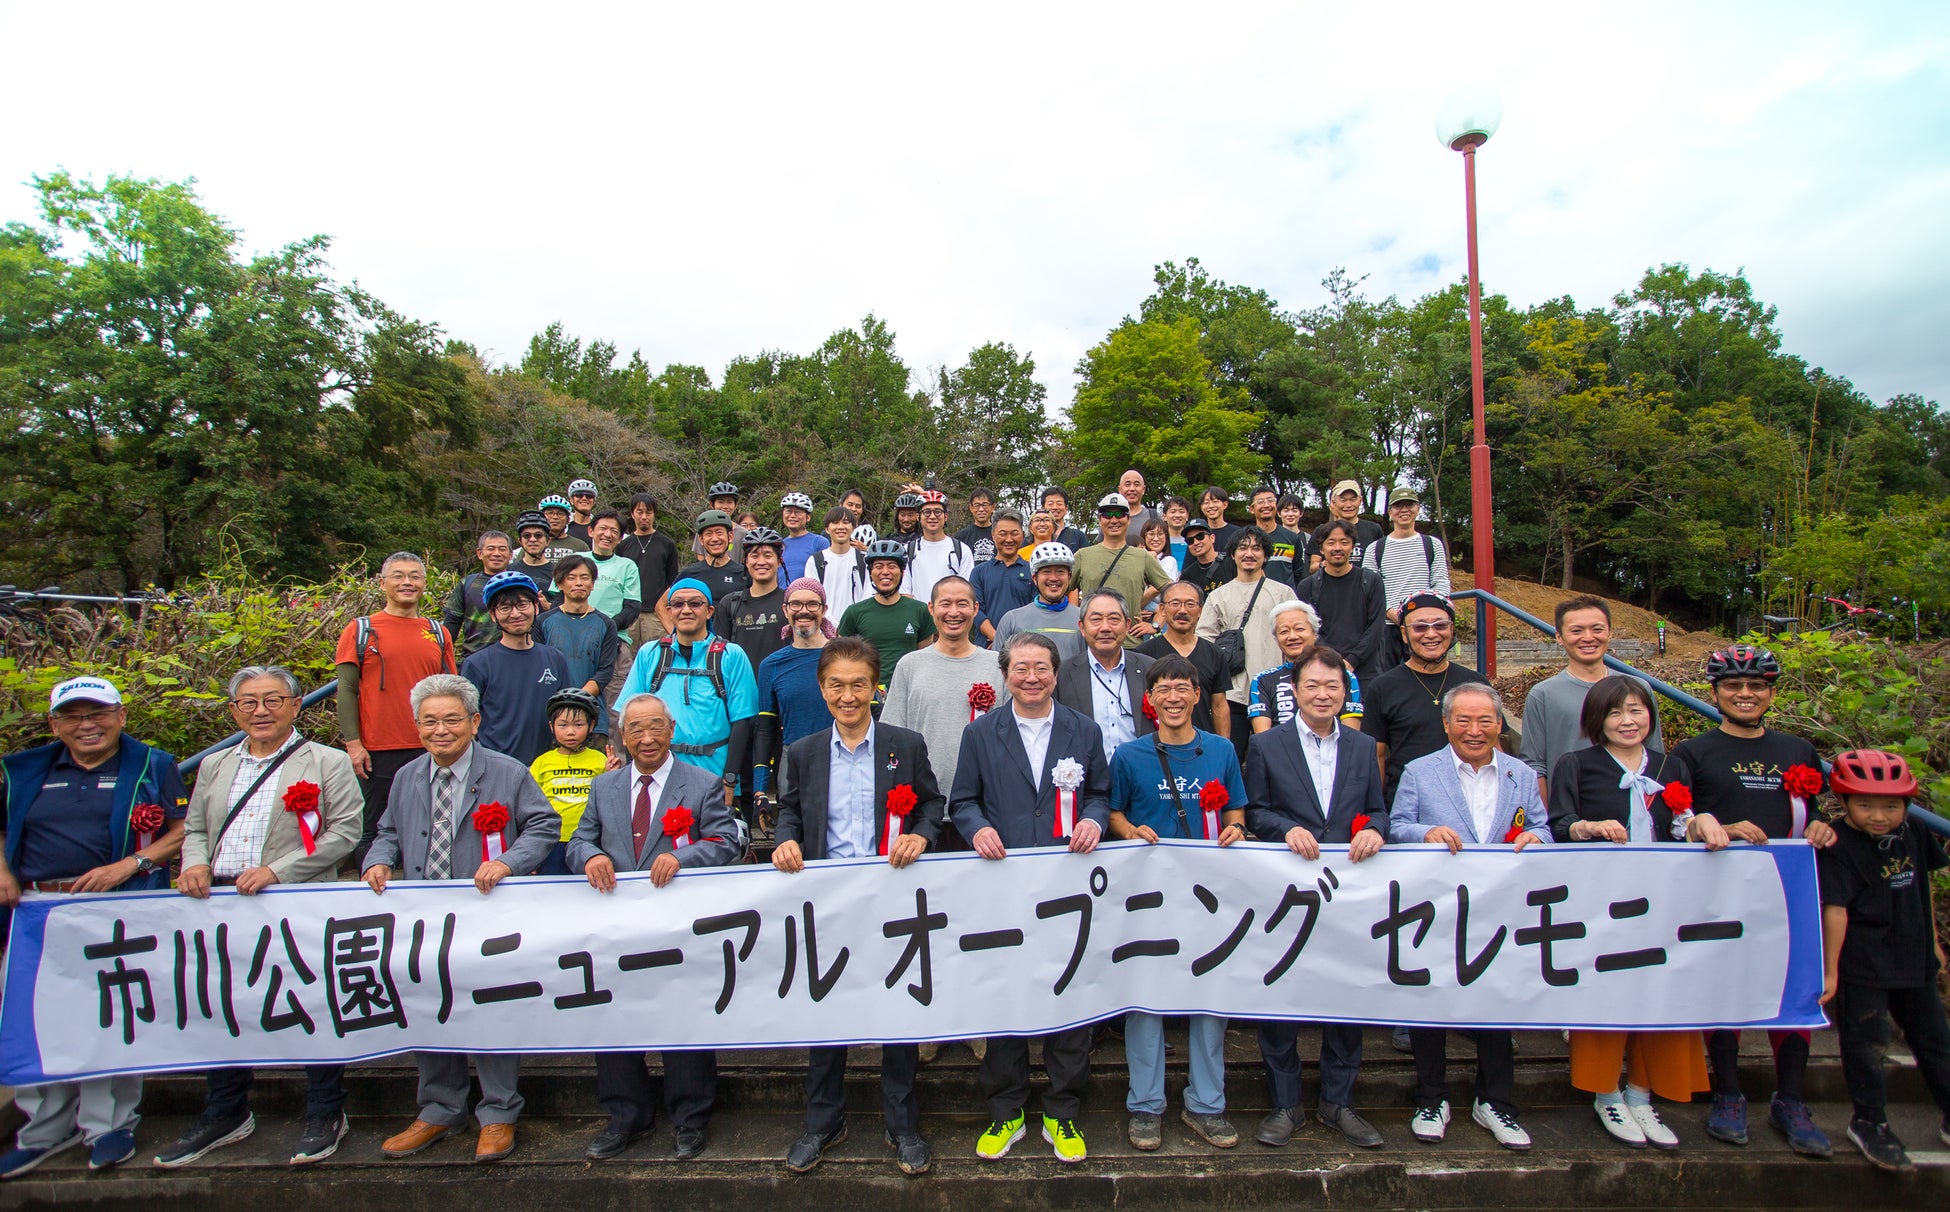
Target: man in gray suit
[1468, 793]
[1107, 682]
[634, 821]
[428, 833]
[241, 832]
[1309, 782]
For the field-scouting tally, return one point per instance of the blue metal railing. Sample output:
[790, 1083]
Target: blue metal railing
[1485, 602]
[189, 764]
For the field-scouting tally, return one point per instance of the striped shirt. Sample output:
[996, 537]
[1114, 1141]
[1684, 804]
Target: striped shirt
[243, 844]
[1406, 566]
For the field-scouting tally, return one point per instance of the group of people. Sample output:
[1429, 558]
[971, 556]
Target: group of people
[754, 702]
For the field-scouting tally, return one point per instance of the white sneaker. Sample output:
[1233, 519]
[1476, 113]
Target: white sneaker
[1620, 1122]
[1430, 1123]
[1656, 1133]
[1501, 1125]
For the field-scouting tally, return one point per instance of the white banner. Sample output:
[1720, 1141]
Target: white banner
[951, 947]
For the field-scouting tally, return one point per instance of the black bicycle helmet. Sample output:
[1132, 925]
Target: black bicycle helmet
[1742, 661]
[887, 549]
[908, 500]
[764, 536]
[723, 488]
[580, 699]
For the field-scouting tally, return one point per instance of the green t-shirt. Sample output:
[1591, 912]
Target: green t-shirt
[1131, 575]
[894, 630]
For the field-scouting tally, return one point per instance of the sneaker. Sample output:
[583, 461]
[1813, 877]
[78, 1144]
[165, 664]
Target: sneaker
[111, 1149]
[1214, 1130]
[1064, 1136]
[999, 1137]
[16, 1162]
[1879, 1145]
[1790, 1117]
[1619, 1121]
[320, 1139]
[1656, 1133]
[1430, 1124]
[205, 1135]
[1501, 1125]
[1728, 1119]
[1145, 1133]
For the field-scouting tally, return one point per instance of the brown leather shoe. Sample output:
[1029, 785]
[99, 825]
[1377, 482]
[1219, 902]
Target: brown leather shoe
[416, 1137]
[497, 1141]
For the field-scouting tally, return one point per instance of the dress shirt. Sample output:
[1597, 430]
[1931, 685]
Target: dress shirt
[1110, 703]
[1323, 754]
[461, 766]
[658, 779]
[1479, 793]
[1035, 740]
[849, 798]
[243, 844]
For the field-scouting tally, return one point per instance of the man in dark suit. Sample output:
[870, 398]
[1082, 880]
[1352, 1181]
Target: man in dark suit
[1108, 683]
[1309, 782]
[862, 787]
[429, 832]
[1032, 775]
[628, 826]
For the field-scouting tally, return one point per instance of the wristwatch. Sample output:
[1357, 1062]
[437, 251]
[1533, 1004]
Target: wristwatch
[144, 864]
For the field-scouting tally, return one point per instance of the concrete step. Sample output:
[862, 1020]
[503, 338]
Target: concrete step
[1573, 1165]
[772, 1081]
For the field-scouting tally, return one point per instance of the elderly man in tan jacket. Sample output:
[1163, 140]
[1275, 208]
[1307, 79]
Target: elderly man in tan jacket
[276, 809]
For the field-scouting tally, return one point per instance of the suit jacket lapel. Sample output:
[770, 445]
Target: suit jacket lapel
[1005, 722]
[1134, 686]
[1060, 734]
[1291, 742]
[1343, 769]
[886, 773]
[1458, 802]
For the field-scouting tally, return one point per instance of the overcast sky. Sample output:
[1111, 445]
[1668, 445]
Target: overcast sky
[719, 179]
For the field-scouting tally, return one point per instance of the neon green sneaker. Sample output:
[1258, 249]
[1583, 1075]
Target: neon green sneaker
[1063, 1134]
[998, 1137]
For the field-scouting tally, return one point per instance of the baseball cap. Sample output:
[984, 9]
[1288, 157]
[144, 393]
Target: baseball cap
[1198, 524]
[1352, 486]
[1113, 503]
[1401, 495]
[84, 690]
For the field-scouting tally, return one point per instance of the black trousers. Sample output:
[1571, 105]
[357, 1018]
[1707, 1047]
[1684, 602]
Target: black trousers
[690, 1088]
[1005, 1073]
[1242, 729]
[1496, 1067]
[1340, 1061]
[1790, 1062]
[229, 1091]
[826, 1089]
[1858, 1012]
[378, 787]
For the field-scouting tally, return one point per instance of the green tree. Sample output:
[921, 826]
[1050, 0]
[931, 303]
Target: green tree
[989, 414]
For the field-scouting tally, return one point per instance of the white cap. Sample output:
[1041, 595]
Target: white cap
[84, 690]
[1114, 500]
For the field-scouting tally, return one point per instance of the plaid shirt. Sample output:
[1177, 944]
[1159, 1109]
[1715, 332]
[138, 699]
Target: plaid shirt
[243, 846]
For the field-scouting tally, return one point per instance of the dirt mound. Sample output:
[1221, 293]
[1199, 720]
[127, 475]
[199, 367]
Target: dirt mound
[1627, 621]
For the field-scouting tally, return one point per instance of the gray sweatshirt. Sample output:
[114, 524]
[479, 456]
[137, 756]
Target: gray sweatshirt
[1551, 713]
[929, 694]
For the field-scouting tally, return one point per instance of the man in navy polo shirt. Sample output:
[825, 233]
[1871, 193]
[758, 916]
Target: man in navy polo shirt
[92, 811]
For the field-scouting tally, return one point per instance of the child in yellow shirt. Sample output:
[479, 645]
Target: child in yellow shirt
[564, 772]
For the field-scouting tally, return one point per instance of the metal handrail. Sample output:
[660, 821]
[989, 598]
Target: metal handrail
[189, 764]
[1485, 602]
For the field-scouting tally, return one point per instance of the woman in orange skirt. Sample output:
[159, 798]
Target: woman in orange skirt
[1615, 792]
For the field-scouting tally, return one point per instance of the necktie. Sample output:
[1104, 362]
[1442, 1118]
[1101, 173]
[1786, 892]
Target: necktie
[640, 818]
[440, 848]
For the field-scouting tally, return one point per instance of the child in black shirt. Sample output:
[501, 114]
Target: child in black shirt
[1880, 948]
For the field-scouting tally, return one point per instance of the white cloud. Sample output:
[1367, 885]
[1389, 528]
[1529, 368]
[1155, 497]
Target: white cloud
[707, 183]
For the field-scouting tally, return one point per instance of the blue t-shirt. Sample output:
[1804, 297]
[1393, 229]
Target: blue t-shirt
[699, 716]
[516, 685]
[788, 687]
[799, 549]
[65, 831]
[587, 641]
[1139, 791]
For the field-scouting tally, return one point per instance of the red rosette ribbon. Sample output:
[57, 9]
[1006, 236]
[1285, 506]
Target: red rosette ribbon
[489, 820]
[1151, 713]
[677, 826]
[301, 801]
[1516, 829]
[900, 801]
[1802, 783]
[147, 821]
[981, 697]
[1361, 821]
[1212, 800]
[1679, 797]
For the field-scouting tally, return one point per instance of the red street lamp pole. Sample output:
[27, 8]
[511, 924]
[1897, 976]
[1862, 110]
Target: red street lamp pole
[1482, 519]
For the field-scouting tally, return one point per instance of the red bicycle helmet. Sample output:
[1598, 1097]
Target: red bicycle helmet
[1871, 772]
[1742, 661]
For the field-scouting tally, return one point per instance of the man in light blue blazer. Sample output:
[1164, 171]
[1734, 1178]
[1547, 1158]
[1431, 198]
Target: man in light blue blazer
[429, 832]
[634, 821]
[1468, 793]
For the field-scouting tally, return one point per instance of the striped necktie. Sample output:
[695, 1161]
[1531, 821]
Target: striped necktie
[440, 850]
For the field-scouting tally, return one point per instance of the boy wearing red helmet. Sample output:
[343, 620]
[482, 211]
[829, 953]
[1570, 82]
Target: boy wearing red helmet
[1880, 947]
[1758, 784]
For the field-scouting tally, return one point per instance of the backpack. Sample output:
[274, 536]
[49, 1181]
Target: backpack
[1428, 552]
[362, 645]
[713, 667]
[859, 566]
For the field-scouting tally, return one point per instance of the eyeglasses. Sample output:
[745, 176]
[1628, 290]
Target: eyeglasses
[1430, 628]
[641, 726]
[688, 603]
[1042, 670]
[100, 715]
[428, 723]
[270, 702]
[809, 607]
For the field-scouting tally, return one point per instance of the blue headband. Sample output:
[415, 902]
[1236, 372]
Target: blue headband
[690, 583]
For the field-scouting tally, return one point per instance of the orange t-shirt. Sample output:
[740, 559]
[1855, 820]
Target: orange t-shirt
[401, 652]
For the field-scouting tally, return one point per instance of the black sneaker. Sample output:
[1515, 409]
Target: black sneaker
[320, 1138]
[205, 1135]
[1878, 1144]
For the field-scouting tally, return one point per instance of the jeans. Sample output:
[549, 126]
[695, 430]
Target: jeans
[229, 1091]
[1144, 1051]
[1858, 1014]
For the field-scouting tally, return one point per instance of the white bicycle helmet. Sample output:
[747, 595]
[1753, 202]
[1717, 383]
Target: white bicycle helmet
[1049, 555]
